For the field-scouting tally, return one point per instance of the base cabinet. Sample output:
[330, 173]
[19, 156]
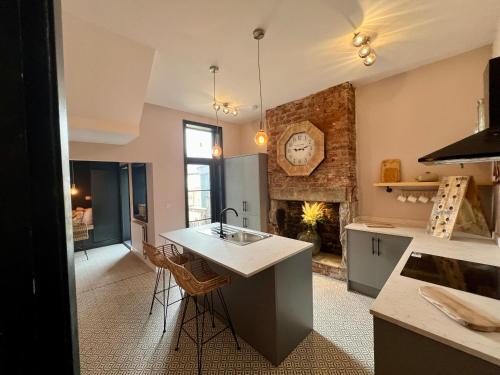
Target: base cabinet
[400, 351]
[371, 258]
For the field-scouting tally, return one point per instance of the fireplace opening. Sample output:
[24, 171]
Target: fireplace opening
[288, 219]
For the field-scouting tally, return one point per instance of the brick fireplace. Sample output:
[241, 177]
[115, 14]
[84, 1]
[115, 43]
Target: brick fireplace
[332, 182]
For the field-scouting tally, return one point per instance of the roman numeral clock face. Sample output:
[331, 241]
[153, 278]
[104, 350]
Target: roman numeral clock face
[300, 148]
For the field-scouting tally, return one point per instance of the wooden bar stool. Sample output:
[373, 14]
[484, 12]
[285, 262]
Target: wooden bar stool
[198, 280]
[159, 256]
[81, 233]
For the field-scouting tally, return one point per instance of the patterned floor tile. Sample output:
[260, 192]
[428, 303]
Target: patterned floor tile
[118, 336]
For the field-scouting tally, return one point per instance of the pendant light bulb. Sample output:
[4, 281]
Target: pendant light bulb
[74, 190]
[234, 112]
[216, 151]
[226, 109]
[261, 138]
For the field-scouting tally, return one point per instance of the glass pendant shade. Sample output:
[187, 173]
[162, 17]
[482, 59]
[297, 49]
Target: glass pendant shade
[370, 59]
[261, 138]
[364, 51]
[74, 190]
[359, 39]
[216, 151]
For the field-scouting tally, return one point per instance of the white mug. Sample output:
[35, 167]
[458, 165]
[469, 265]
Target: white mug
[412, 199]
[401, 198]
[423, 199]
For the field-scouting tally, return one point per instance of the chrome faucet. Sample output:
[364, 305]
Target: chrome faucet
[221, 232]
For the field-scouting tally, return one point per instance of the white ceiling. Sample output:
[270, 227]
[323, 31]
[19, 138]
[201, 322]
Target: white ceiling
[306, 48]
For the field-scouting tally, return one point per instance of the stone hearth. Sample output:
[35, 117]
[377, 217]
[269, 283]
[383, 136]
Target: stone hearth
[332, 182]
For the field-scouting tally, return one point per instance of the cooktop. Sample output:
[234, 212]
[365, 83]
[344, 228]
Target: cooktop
[477, 278]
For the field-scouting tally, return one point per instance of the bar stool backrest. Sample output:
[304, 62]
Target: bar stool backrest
[195, 277]
[80, 232]
[159, 255]
[184, 278]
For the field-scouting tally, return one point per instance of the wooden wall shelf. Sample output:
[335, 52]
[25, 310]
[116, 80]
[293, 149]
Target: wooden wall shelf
[411, 185]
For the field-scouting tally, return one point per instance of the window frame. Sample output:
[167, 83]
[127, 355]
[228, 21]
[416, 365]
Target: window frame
[217, 191]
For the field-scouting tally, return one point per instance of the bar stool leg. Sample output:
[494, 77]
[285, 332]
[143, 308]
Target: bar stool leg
[168, 293]
[211, 304]
[87, 255]
[205, 302]
[198, 351]
[158, 270]
[164, 305]
[186, 302]
[228, 318]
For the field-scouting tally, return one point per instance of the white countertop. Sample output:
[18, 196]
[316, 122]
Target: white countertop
[400, 303]
[244, 260]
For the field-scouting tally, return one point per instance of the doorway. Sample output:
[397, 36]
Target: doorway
[125, 204]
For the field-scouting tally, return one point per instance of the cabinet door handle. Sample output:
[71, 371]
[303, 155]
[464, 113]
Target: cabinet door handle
[373, 246]
[378, 246]
[245, 225]
[244, 206]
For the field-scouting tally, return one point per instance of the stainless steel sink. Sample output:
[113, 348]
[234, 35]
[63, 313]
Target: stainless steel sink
[235, 235]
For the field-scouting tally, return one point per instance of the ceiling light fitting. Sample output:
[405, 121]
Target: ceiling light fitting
[216, 149]
[366, 52]
[74, 190]
[261, 136]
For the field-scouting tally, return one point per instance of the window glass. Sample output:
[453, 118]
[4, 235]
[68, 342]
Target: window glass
[198, 194]
[198, 143]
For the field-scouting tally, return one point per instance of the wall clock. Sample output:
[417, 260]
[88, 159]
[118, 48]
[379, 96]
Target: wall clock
[301, 148]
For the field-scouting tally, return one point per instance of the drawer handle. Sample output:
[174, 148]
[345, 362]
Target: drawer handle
[373, 246]
[378, 246]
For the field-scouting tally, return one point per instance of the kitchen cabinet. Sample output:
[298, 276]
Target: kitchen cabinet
[246, 190]
[371, 258]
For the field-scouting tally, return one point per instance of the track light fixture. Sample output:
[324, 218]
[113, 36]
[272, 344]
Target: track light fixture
[366, 52]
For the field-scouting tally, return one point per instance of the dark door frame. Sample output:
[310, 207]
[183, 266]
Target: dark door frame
[216, 171]
[38, 321]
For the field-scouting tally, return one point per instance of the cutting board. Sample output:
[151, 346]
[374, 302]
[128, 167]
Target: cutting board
[390, 170]
[459, 310]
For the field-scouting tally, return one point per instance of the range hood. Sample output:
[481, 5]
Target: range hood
[482, 146]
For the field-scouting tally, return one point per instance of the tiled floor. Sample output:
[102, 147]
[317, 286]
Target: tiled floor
[117, 335]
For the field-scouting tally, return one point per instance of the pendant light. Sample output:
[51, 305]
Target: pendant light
[216, 149]
[74, 190]
[260, 136]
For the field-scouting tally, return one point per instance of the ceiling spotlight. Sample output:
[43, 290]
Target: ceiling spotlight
[364, 51]
[216, 106]
[234, 112]
[370, 59]
[226, 109]
[359, 39]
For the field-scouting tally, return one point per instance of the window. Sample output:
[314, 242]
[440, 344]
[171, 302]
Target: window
[203, 174]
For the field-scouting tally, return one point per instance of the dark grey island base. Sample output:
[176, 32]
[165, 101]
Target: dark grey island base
[272, 310]
[400, 351]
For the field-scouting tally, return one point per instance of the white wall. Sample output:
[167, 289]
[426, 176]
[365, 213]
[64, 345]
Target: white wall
[410, 115]
[160, 143]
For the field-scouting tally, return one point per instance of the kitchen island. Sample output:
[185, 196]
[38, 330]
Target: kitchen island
[270, 295]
